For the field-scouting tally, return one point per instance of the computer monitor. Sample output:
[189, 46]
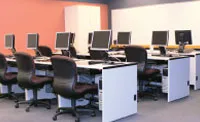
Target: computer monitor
[32, 41]
[183, 36]
[160, 38]
[62, 40]
[124, 38]
[9, 41]
[101, 40]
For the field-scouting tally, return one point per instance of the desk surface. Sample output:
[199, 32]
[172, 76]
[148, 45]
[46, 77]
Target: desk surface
[85, 64]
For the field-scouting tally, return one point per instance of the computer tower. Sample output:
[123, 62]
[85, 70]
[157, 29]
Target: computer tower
[165, 80]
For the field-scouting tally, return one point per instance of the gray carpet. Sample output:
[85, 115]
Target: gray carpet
[184, 110]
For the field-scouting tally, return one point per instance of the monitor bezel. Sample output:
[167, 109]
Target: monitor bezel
[101, 49]
[36, 40]
[160, 44]
[130, 33]
[68, 40]
[183, 31]
[13, 43]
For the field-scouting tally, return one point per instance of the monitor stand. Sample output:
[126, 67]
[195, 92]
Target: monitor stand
[66, 53]
[162, 50]
[13, 50]
[181, 47]
[38, 53]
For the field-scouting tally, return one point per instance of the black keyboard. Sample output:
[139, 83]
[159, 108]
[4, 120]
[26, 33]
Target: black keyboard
[96, 62]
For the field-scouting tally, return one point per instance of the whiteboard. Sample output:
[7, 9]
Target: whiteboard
[143, 20]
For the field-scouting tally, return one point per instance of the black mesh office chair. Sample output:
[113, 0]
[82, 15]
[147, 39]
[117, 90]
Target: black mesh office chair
[139, 55]
[65, 84]
[7, 78]
[27, 79]
[45, 51]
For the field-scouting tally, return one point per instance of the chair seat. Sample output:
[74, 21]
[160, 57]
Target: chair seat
[149, 74]
[83, 88]
[9, 78]
[40, 81]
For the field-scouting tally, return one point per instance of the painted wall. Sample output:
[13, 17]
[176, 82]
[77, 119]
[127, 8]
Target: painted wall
[43, 16]
[89, 1]
[117, 4]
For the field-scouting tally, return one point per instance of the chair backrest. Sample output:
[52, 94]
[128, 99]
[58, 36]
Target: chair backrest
[65, 75]
[98, 55]
[26, 69]
[136, 54]
[45, 51]
[3, 66]
[72, 51]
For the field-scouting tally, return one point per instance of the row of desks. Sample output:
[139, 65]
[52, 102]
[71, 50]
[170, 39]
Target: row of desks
[118, 93]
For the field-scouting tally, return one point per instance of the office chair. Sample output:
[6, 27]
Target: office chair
[7, 78]
[65, 84]
[139, 55]
[27, 79]
[45, 51]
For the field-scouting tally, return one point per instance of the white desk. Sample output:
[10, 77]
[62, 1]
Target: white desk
[194, 66]
[178, 75]
[119, 89]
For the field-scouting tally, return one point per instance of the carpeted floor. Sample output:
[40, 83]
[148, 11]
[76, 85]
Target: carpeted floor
[184, 110]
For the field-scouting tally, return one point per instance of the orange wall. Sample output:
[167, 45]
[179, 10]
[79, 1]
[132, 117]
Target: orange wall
[45, 17]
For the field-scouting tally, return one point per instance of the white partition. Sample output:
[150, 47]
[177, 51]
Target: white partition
[178, 80]
[143, 20]
[81, 20]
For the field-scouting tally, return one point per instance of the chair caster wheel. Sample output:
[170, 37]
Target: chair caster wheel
[57, 111]
[54, 118]
[77, 120]
[93, 114]
[49, 107]
[17, 106]
[73, 114]
[27, 110]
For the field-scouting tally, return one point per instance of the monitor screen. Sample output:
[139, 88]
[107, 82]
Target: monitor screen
[160, 38]
[124, 38]
[101, 40]
[90, 35]
[9, 41]
[62, 40]
[32, 41]
[184, 36]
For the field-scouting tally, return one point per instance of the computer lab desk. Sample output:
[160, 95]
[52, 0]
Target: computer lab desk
[194, 66]
[178, 75]
[118, 92]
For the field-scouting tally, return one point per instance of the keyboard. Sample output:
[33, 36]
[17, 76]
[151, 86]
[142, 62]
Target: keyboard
[42, 59]
[95, 62]
[185, 51]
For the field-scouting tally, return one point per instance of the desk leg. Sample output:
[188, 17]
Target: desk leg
[197, 73]
[119, 93]
[178, 81]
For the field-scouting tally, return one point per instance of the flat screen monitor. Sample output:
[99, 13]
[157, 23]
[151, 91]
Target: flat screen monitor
[32, 40]
[183, 36]
[90, 35]
[9, 41]
[101, 40]
[62, 40]
[160, 38]
[124, 38]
